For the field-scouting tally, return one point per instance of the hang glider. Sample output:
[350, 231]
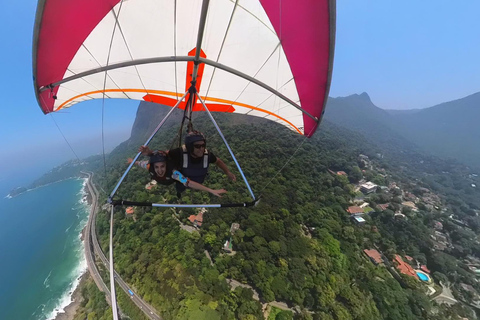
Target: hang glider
[267, 58]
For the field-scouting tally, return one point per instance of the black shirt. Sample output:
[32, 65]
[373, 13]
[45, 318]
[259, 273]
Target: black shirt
[176, 155]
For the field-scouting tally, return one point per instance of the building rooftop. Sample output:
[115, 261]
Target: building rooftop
[197, 219]
[410, 204]
[404, 267]
[383, 206]
[369, 185]
[234, 227]
[424, 268]
[354, 210]
[374, 255]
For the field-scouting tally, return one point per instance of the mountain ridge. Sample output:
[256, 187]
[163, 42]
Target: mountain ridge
[448, 130]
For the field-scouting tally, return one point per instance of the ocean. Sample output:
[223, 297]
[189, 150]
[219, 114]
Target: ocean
[41, 252]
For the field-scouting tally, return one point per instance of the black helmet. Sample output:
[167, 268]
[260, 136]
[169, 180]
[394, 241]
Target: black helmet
[193, 136]
[158, 156]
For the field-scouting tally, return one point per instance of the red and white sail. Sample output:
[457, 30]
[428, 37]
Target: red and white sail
[267, 58]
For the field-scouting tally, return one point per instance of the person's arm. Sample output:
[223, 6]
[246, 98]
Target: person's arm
[142, 164]
[201, 187]
[176, 175]
[224, 168]
[145, 150]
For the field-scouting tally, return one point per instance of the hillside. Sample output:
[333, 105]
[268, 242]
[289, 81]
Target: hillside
[273, 254]
[299, 246]
[359, 114]
[448, 130]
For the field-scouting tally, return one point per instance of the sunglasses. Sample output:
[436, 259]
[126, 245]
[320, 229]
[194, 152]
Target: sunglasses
[199, 146]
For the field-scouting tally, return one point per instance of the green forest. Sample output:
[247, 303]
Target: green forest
[298, 246]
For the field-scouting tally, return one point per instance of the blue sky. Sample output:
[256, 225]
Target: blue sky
[31, 142]
[407, 54]
[404, 54]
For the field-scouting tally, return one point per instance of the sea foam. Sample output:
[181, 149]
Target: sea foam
[67, 297]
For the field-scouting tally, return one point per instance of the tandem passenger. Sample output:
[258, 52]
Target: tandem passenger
[162, 171]
[193, 159]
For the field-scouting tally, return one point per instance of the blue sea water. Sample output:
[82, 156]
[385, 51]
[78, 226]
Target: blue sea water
[41, 252]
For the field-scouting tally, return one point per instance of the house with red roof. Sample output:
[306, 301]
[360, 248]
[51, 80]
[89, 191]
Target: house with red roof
[355, 210]
[383, 206]
[129, 210]
[424, 268]
[374, 256]
[404, 267]
[196, 220]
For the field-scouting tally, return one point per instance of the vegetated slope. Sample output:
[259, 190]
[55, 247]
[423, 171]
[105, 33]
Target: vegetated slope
[358, 113]
[297, 246]
[449, 130]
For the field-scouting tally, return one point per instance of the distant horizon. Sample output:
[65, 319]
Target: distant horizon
[406, 109]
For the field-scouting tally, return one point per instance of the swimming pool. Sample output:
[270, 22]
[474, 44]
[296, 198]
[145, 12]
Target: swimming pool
[423, 276]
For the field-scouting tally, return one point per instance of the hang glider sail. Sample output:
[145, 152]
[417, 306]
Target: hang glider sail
[266, 58]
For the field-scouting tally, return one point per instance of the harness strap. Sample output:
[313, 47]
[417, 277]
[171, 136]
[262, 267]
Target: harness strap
[185, 158]
[205, 159]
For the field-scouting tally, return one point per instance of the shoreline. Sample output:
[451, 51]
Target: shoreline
[70, 310]
[76, 297]
[9, 196]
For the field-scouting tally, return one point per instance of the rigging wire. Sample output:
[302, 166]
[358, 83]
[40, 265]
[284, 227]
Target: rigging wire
[187, 114]
[112, 280]
[221, 47]
[288, 160]
[175, 43]
[65, 138]
[103, 138]
[228, 147]
[105, 85]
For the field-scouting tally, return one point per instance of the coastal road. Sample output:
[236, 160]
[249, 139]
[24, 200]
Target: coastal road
[148, 310]
[88, 244]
